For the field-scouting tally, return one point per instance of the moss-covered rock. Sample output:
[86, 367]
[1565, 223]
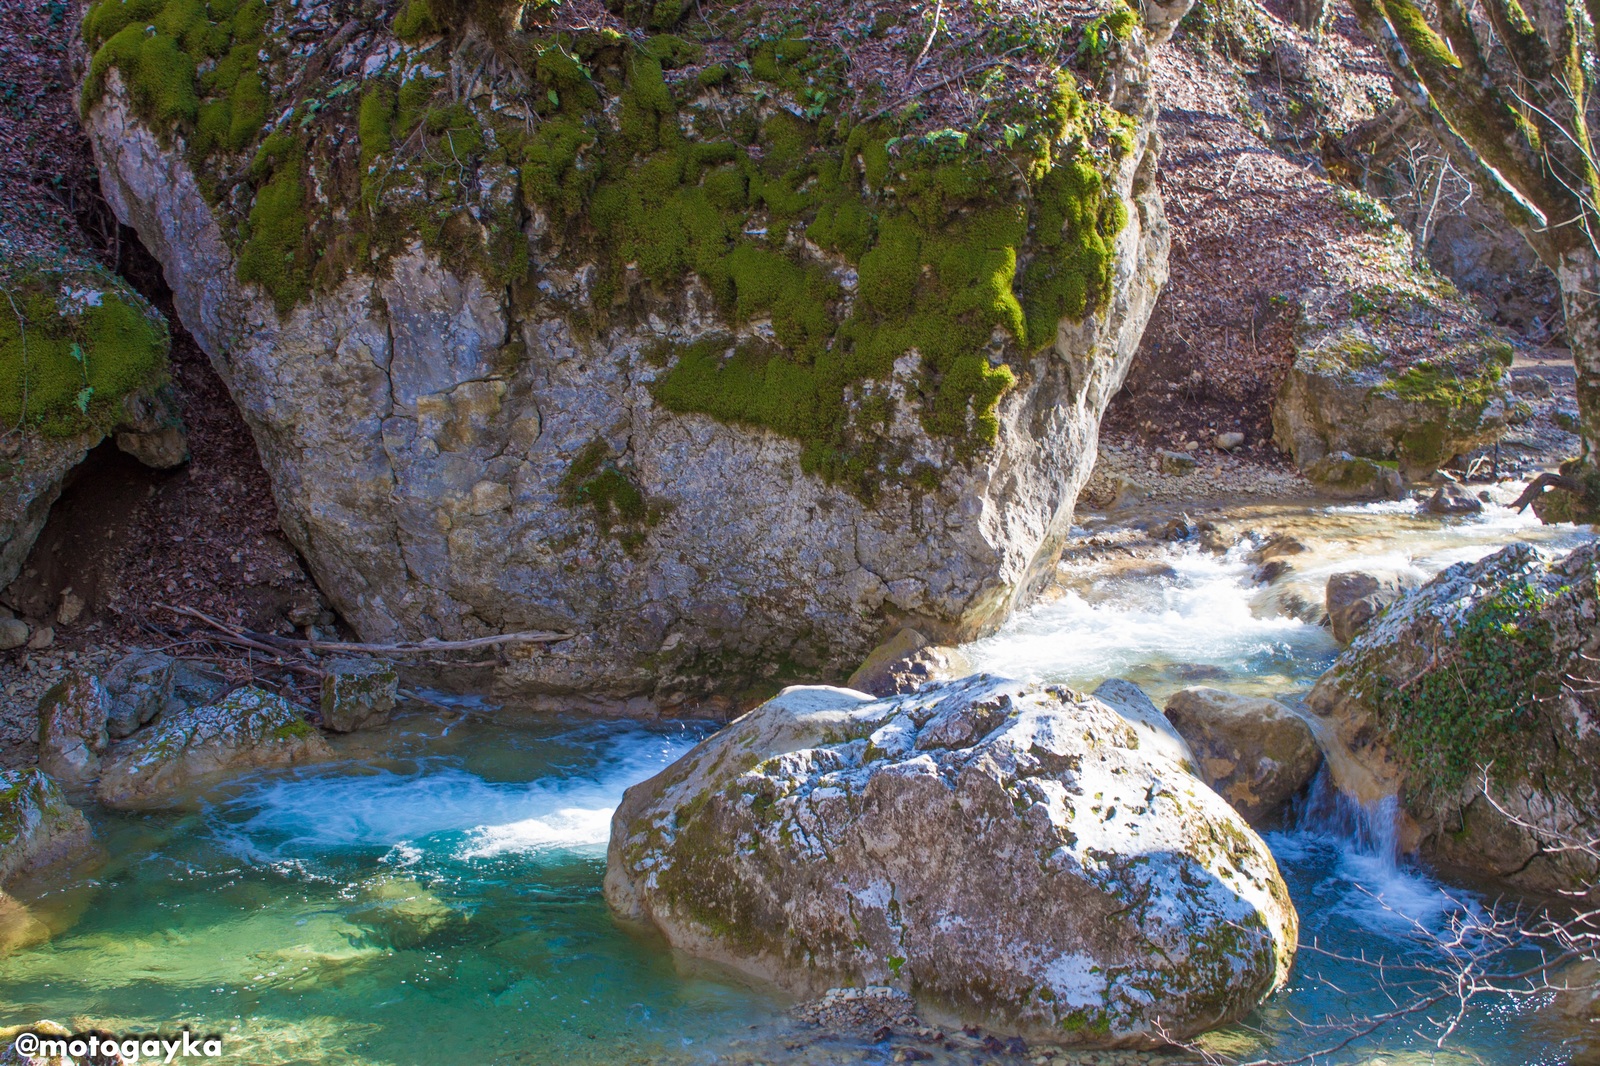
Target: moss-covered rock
[609, 330]
[38, 827]
[1013, 856]
[358, 693]
[82, 358]
[173, 760]
[1478, 674]
[1347, 392]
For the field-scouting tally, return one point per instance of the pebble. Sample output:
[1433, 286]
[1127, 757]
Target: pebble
[1229, 441]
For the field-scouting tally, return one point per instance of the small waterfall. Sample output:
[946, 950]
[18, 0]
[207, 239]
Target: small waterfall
[1371, 829]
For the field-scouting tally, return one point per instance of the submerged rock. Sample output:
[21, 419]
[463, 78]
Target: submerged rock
[248, 729]
[358, 693]
[73, 717]
[19, 929]
[1013, 856]
[1256, 753]
[1481, 670]
[38, 827]
[1355, 597]
[404, 912]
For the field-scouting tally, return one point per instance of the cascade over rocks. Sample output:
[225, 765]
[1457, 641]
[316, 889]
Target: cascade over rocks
[684, 342]
[1013, 856]
[1481, 667]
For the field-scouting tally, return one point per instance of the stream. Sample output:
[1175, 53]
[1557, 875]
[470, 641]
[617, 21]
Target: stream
[435, 895]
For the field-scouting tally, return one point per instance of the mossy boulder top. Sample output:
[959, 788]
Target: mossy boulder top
[1474, 680]
[1013, 856]
[726, 338]
[173, 760]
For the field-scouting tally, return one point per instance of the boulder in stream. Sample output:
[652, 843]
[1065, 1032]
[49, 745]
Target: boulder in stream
[1012, 855]
[1481, 673]
[248, 729]
[1355, 597]
[1257, 753]
[38, 827]
[358, 693]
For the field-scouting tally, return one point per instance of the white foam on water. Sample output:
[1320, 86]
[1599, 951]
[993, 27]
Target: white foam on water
[335, 810]
[1200, 613]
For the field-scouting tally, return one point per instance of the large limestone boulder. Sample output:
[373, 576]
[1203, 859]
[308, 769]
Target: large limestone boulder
[1256, 753]
[1012, 855]
[38, 827]
[1481, 671]
[1347, 393]
[249, 729]
[72, 727]
[791, 370]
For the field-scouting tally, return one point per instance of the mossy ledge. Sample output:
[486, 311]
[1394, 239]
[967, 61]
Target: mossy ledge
[74, 342]
[835, 226]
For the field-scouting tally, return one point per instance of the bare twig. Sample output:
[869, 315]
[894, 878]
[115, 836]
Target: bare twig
[269, 642]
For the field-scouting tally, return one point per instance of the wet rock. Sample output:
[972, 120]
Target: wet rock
[1343, 474]
[1355, 597]
[358, 693]
[1278, 546]
[13, 633]
[140, 685]
[1214, 539]
[1271, 571]
[1227, 442]
[1475, 669]
[73, 716]
[38, 827]
[1257, 753]
[1175, 529]
[976, 843]
[248, 729]
[1453, 499]
[1176, 464]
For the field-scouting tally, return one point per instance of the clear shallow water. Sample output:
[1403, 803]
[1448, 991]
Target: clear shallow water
[435, 898]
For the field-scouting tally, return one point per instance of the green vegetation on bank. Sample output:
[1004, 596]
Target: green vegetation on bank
[966, 246]
[1470, 706]
[73, 344]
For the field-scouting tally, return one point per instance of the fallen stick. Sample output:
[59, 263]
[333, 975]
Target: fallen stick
[418, 647]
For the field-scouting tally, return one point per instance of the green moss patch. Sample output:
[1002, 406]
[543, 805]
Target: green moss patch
[72, 346]
[593, 480]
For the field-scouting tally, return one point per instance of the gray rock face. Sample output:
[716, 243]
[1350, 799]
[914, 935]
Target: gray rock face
[73, 718]
[38, 826]
[1355, 597]
[248, 729]
[417, 429]
[1511, 631]
[140, 686]
[357, 693]
[1256, 753]
[1013, 856]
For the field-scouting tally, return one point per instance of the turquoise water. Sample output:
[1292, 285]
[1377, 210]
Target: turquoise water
[435, 896]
